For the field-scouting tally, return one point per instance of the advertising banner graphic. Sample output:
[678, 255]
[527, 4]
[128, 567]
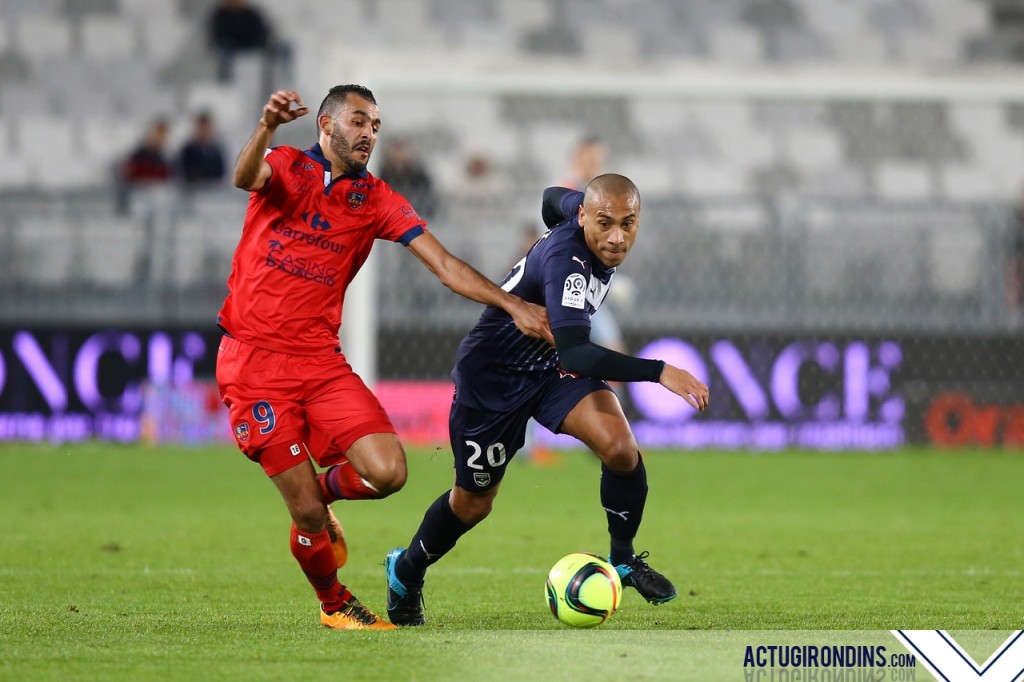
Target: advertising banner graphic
[768, 392]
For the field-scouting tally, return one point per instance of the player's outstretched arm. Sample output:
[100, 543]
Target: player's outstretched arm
[251, 171]
[461, 278]
[686, 386]
[579, 355]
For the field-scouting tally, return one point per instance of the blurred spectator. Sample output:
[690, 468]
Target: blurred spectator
[237, 27]
[148, 162]
[202, 158]
[480, 176]
[147, 170]
[405, 172]
[586, 162]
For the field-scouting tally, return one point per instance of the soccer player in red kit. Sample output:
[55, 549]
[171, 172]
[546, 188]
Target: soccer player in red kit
[313, 217]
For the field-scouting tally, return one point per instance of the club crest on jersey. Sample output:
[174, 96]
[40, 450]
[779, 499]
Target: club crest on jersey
[574, 291]
[356, 199]
[481, 478]
[242, 432]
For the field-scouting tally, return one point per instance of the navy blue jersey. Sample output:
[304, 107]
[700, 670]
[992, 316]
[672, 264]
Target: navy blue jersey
[497, 366]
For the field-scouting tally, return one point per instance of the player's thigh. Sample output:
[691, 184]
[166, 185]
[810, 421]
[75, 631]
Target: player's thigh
[264, 405]
[591, 413]
[484, 443]
[341, 411]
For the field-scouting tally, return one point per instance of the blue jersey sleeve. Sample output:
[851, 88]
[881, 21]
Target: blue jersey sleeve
[560, 204]
[566, 277]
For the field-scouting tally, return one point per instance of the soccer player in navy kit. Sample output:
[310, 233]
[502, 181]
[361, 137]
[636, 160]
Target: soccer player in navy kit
[503, 377]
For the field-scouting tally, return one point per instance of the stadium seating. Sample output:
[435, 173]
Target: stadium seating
[112, 57]
[80, 80]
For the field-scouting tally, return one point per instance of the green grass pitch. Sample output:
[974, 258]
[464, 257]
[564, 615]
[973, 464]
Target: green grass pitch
[144, 563]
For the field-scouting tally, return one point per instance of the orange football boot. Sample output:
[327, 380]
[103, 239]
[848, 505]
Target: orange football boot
[354, 616]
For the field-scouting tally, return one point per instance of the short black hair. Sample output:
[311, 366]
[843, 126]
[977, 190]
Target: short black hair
[336, 96]
[613, 183]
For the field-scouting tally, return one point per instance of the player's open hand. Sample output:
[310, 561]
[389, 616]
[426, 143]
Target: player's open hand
[283, 106]
[532, 320]
[685, 385]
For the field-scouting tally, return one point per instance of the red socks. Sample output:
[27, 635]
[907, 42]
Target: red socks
[313, 551]
[341, 482]
[315, 556]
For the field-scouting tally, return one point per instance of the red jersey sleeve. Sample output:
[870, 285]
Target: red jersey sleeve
[279, 158]
[399, 221]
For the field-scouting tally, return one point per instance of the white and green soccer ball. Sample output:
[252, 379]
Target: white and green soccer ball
[583, 590]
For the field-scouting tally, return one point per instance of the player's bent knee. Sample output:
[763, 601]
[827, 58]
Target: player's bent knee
[309, 515]
[392, 481]
[388, 477]
[620, 455]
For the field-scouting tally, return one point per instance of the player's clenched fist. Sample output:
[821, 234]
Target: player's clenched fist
[283, 106]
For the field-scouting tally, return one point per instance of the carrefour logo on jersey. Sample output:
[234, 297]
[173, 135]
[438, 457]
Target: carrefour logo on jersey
[316, 222]
[317, 239]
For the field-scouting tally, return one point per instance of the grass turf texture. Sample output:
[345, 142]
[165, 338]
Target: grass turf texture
[155, 563]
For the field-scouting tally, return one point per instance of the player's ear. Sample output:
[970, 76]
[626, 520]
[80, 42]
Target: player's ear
[581, 214]
[325, 123]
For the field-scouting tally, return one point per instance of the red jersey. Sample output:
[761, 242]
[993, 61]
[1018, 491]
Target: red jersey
[304, 239]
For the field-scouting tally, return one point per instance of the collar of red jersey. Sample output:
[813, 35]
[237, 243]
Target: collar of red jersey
[316, 153]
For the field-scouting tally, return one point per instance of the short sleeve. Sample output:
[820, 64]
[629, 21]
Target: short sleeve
[399, 221]
[566, 277]
[279, 159]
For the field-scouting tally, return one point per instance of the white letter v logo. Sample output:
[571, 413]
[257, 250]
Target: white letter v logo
[946, 660]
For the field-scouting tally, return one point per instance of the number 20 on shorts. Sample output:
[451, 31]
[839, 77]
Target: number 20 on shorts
[495, 454]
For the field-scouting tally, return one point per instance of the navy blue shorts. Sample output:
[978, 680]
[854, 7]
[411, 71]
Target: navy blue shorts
[484, 442]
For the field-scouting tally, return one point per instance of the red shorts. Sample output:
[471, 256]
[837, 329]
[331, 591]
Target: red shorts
[286, 407]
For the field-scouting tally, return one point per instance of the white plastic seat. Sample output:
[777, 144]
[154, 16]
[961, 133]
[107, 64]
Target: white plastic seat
[900, 180]
[40, 36]
[164, 36]
[108, 38]
[10, 8]
[956, 260]
[45, 251]
[109, 251]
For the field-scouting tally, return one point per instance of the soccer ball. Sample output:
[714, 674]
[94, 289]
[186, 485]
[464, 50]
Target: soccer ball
[583, 590]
